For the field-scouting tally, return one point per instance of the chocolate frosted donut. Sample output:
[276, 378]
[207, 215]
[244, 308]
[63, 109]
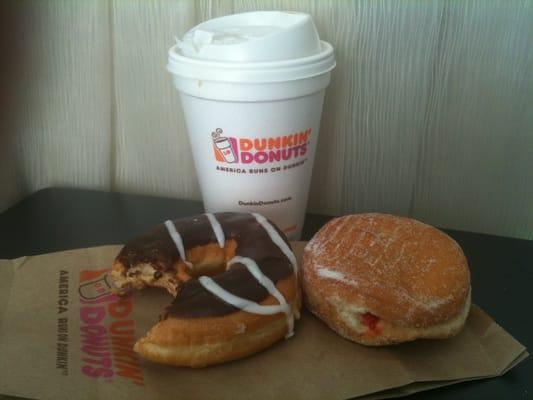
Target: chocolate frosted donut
[234, 280]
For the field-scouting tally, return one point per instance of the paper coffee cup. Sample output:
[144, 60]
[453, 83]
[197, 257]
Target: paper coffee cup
[252, 88]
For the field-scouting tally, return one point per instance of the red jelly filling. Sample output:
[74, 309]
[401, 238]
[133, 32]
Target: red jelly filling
[371, 321]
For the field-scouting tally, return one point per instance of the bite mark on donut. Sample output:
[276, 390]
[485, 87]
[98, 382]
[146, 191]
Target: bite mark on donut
[208, 260]
[141, 276]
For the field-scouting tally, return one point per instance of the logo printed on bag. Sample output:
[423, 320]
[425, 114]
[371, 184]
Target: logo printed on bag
[244, 150]
[106, 330]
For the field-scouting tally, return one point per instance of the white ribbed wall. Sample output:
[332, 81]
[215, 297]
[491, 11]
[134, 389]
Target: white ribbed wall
[429, 113]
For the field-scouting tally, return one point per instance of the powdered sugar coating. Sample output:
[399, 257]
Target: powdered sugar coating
[330, 273]
[400, 269]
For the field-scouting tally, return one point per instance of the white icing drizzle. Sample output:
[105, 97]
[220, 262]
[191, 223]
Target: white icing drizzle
[217, 229]
[278, 241]
[236, 301]
[243, 304]
[265, 281]
[176, 237]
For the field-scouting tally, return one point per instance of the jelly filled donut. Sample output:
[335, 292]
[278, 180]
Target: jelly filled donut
[233, 276]
[380, 279]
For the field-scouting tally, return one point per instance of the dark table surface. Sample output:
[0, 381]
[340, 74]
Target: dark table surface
[502, 268]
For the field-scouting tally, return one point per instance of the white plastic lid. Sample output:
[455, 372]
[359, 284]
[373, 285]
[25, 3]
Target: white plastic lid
[264, 46]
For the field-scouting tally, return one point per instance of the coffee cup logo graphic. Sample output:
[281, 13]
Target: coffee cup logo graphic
[224, 147]
[96, 288]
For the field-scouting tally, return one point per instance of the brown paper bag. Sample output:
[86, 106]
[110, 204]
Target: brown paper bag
[63, 336]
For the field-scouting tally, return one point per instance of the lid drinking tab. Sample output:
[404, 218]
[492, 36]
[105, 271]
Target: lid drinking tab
[253, 37]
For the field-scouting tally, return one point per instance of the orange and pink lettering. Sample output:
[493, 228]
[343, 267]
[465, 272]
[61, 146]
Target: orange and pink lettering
[262, 150]
[107, 332]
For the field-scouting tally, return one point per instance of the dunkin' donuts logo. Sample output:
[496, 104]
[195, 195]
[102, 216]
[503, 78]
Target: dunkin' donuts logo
[106, 331]
[233, 150]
